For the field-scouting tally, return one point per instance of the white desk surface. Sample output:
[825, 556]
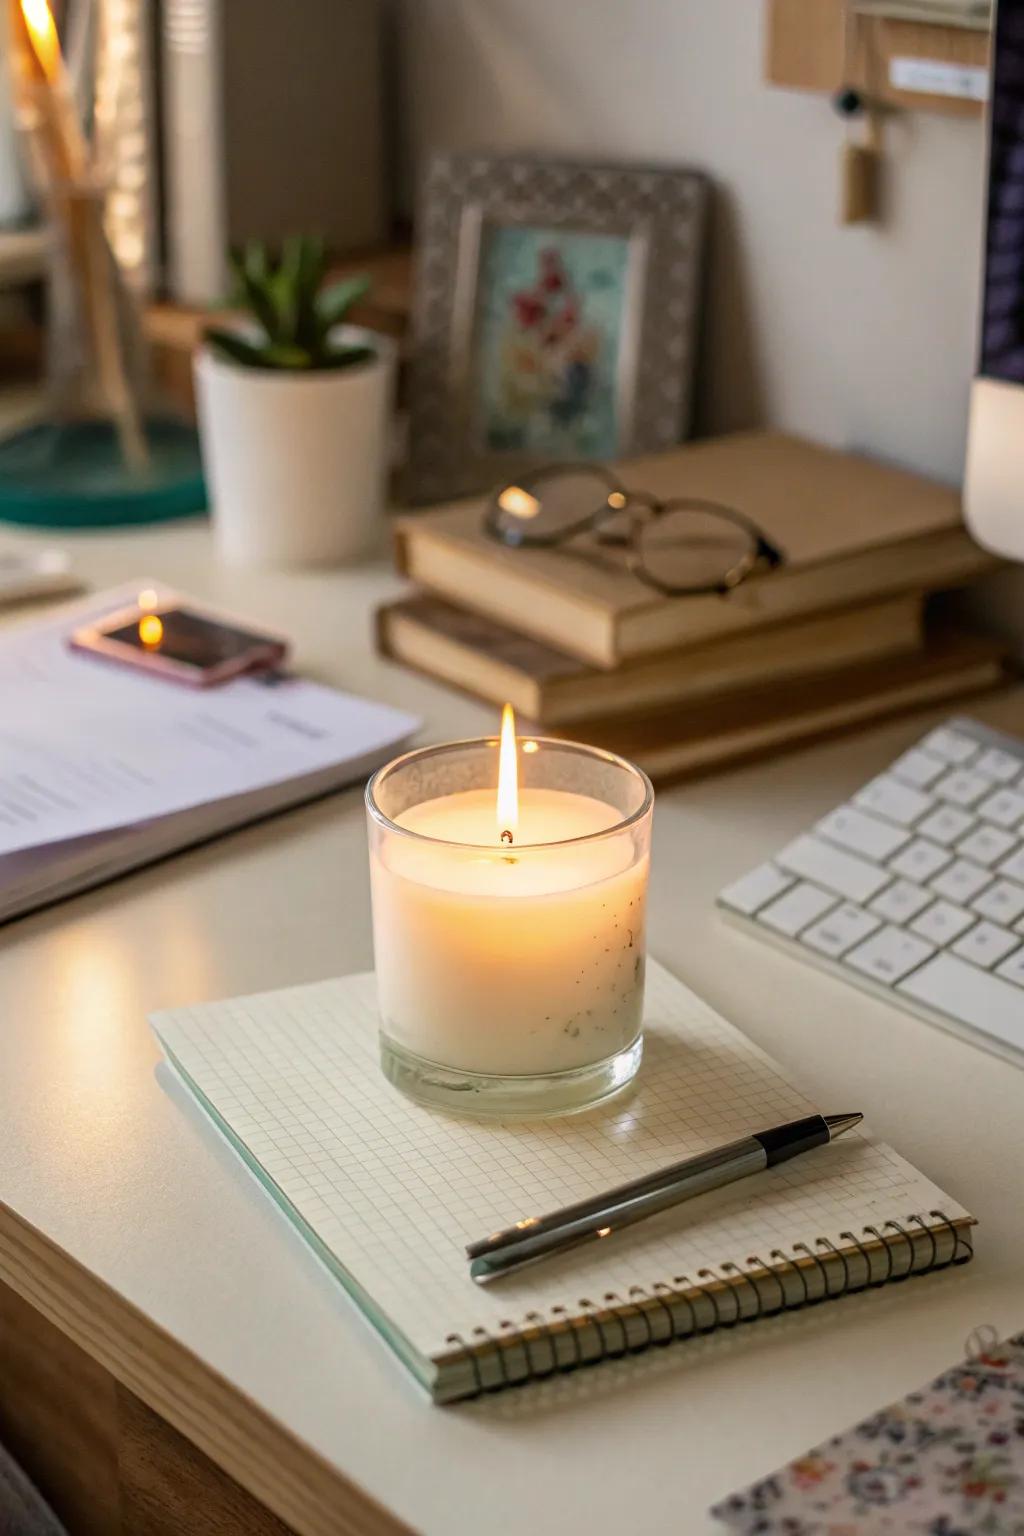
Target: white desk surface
[123, 1174]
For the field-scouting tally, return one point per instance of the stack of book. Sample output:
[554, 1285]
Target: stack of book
[834, 637]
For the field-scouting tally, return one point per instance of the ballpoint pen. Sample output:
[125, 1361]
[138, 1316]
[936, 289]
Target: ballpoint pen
[538, 1237]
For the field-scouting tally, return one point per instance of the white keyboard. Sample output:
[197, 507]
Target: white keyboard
[915, 887]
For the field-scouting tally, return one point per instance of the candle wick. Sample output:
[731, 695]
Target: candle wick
[506, 836]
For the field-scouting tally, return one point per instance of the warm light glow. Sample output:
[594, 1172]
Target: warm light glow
[42, 33]
[517, 502]
[151, 630]
[604, 1231]
[531, 747]
[147, 598]
[508, 775]
[616, 500]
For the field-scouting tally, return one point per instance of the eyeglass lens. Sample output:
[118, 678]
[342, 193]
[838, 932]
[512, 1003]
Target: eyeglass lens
[692, 547]
[548, 505]
[683, 546]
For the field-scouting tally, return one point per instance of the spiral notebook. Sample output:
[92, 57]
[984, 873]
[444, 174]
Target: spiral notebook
[388, 1194]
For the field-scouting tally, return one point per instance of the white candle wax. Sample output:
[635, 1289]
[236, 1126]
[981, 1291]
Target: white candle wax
[510, 960]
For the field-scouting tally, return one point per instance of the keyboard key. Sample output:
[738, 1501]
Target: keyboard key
[954, 746]
[1005, 808]
[897, 802]
[798, 907]
[961, 880]
[901, 901]
[920, 860]
[751, 891]
[957, 988]
[986, 944]
[1013, 970]
[919, 768]
[917, 884]
[1013, 866]
[942, 922]
[1003, 901]
[999, 765]
[840, 930]
[963, 786]
[845, 873]
[986, 844]
[861, 833]
[946, 825]
[889, 955]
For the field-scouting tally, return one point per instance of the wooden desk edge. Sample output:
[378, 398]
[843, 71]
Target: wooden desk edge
[244, 1441]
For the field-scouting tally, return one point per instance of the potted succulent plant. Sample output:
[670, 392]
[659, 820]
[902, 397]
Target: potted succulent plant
[294, 414]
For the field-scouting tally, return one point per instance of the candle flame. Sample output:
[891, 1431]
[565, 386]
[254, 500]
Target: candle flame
[508, 777]
[151, 631]
[42, 32]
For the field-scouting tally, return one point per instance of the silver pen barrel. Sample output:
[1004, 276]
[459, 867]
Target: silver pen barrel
[600, 1216]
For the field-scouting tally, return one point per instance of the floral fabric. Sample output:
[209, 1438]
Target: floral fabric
[947, 1461]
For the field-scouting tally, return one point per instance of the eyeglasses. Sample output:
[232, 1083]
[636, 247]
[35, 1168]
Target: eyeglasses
[680, 547]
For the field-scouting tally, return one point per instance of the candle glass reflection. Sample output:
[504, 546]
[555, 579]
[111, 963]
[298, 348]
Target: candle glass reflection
[510, 966]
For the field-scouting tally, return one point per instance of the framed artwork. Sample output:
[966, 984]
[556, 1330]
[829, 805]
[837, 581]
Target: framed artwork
[556, 316]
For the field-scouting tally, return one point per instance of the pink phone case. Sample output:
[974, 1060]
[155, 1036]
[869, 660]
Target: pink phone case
[267, 651]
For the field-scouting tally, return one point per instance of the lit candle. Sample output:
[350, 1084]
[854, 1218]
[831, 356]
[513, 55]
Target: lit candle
[509, 917]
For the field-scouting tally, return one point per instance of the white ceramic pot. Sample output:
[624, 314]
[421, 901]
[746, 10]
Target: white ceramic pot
[296, 463]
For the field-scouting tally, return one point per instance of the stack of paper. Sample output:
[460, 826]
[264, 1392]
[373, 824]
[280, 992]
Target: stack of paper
[103, 768]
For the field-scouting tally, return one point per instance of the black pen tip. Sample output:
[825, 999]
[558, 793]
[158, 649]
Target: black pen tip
[837, 1124]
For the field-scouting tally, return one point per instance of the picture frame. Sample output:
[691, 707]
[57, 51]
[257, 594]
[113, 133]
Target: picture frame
[556, 316]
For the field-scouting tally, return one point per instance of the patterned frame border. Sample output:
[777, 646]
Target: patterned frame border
[663, 213]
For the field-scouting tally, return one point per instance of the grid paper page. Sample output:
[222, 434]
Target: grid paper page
[396, 1191]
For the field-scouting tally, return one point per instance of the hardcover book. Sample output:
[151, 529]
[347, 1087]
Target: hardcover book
[552, 688]
[852, 531]
[675, 742]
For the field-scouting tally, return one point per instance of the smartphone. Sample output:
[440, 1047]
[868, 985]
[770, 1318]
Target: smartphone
[180, 642]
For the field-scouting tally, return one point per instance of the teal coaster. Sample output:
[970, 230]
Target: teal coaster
[72, 475]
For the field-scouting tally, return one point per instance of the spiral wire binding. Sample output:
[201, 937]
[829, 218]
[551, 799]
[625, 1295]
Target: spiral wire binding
[537, 1337]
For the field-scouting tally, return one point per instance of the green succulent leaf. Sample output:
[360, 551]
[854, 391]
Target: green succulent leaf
[287, 299]
[252, 354]
[285, 355]
[315, 260]
[312, 265]
[256, 261]
[336, 300]
[236, 265]
[260, 302]
[345, 357]
[281, 294]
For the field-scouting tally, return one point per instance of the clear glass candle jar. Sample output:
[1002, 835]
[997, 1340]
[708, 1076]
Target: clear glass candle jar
[510, 970]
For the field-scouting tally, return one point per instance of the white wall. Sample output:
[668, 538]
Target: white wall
[863, 337]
